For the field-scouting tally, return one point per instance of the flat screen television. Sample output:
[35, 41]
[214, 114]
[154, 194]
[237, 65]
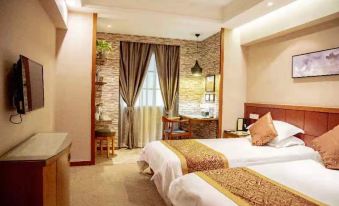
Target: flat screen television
[28, 85]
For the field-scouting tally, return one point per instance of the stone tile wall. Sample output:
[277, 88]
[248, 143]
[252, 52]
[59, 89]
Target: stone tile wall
[191, 89]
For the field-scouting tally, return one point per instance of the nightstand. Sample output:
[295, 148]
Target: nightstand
[234, 134]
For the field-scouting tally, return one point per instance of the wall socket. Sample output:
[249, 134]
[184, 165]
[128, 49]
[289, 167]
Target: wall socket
[254, 116]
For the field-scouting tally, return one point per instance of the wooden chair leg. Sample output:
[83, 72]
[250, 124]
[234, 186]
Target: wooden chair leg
[107, 146]
[101, 147]
[113, 146]
[96, 147]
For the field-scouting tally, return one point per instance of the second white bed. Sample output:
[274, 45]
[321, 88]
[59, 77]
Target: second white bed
[308, 177]
[238, 151]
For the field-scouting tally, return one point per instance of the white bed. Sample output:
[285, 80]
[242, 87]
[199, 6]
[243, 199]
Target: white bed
[239, 152]
[306, 176]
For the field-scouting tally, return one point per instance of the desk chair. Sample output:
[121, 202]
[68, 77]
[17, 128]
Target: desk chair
[172, 128]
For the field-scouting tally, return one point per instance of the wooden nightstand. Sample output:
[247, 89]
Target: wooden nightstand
[235, 134]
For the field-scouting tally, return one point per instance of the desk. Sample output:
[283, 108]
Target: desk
[202, 127]
[198, 118]
[235, 134]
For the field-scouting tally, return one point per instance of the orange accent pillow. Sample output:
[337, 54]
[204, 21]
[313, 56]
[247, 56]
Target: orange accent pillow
[263, 130]
[328, 147]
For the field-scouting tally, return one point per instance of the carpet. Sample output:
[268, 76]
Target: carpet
[113, 184]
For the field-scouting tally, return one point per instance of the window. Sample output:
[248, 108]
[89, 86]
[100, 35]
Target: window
[148, 108]
[150, 94]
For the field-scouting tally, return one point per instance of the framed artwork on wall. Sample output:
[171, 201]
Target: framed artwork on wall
[319, 63]
[210, 98]
[210, 83]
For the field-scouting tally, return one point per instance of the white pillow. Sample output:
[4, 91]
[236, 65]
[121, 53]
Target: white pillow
[288, 142]
[284, 131]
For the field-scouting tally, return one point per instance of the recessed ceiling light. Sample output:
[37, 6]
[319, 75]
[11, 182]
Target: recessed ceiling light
[270, 3]
[109, 26]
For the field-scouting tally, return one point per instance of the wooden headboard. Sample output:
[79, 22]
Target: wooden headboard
[315, 121]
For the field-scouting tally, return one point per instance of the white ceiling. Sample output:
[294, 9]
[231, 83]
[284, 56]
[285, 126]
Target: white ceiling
[198, 8]
[179, 19]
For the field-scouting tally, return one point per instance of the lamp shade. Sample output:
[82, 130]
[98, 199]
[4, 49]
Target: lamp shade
[196, 69]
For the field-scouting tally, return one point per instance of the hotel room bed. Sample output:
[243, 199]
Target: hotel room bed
[239, 152]
[166, 165]
[307, 178]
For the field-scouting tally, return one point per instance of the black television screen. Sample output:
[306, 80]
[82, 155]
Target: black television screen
[29, 91]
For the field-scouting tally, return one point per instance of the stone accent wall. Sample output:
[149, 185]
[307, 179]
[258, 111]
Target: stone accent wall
[209, 54]
[191, 89]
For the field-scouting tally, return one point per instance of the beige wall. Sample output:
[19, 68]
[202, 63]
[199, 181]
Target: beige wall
[25, 29]
[234, 80]
[73, 83]
[269, 69]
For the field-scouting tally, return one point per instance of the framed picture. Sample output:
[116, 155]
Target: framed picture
[210, 98]
[319, 63]
[210, 83]
[207, 97]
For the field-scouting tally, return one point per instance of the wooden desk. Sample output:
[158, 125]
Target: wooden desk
[203, 127]
[234, 134]
[36, 172]
[198, 118]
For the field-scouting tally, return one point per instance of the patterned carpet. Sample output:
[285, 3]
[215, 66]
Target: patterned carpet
[115, 182]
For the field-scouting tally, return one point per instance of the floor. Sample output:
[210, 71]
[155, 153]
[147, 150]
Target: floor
[113, 182]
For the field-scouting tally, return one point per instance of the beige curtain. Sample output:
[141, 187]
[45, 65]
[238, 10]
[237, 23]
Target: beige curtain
[168, 63]
[134, 60]
[147, 124]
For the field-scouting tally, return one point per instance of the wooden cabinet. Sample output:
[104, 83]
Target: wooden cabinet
[202, 127]
[36, 172]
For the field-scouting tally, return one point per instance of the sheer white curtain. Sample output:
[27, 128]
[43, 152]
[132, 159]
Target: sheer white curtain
[148, 109]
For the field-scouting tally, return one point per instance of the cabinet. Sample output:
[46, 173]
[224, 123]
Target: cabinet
[202, 127]
[36, 172]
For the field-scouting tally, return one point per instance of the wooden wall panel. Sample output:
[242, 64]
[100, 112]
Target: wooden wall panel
[278, 114]
[296, 118]
[333, 120]
[315, 123]
[307, 139]
[94, 58]
[249, 110]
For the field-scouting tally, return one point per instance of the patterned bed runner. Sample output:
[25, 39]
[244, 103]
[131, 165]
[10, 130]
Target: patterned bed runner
[247, 187]
[195, 156]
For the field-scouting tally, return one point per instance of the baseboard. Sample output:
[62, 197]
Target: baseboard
[81, 163]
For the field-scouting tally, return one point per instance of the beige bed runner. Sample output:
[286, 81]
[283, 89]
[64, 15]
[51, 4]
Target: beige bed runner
[247, 187]
[195, 156]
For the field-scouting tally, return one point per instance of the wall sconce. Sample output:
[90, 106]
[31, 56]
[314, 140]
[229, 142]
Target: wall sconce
[196, 69]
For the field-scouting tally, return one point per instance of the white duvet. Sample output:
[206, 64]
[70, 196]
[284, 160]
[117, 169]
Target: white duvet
[306, 176]
[239, 152]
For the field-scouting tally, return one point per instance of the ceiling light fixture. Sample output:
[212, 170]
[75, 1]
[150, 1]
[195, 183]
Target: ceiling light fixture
[270, 3]
[109, 26]
[196, 69]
